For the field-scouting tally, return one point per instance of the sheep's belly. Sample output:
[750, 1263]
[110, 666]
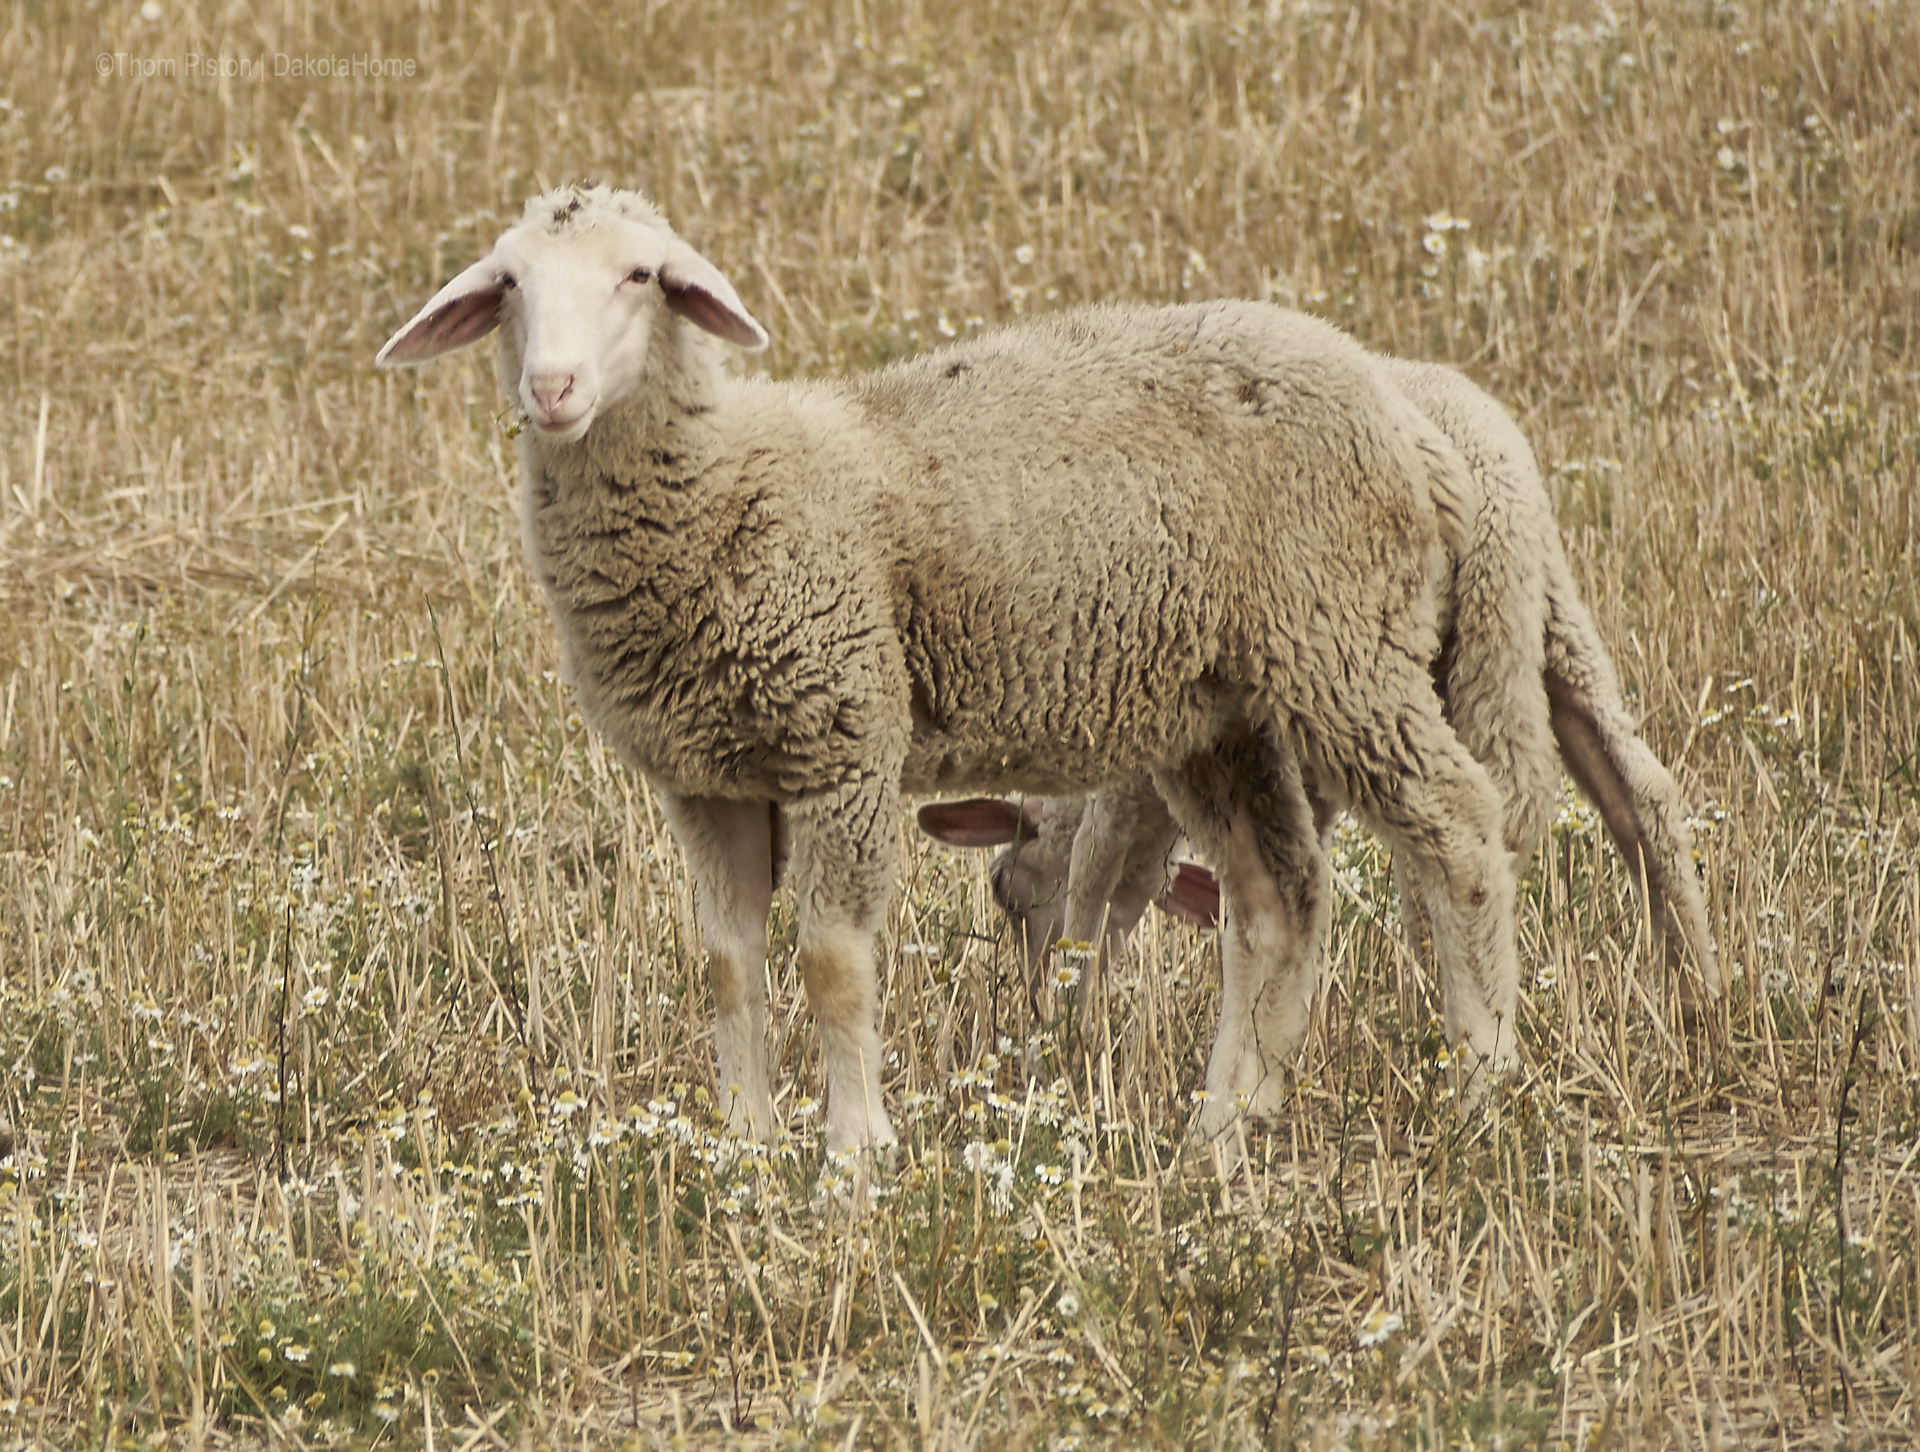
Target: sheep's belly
[1053, 753]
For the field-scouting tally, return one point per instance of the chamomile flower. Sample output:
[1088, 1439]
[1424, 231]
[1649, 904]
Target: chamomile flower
[1378, 1326]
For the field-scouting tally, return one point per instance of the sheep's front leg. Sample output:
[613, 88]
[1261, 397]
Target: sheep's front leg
[728, 847]
[1119, 863]
[842, 872]
[1244, 804]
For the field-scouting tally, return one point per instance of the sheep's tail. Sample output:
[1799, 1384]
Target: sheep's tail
[1635, 795]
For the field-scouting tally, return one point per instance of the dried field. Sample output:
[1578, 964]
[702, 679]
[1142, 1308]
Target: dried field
[354, 1053]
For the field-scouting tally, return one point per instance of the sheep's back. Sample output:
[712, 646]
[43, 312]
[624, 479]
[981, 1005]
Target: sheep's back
[1113, 525]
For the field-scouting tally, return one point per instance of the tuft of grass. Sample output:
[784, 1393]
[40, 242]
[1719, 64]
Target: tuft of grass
[354, 1072]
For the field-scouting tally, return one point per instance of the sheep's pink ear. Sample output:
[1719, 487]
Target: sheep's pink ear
[462, 312]
[1193, 896]
[978, 822]
[697, 291]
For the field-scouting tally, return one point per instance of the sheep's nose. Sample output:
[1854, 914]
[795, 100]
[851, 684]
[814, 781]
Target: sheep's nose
[549, 391]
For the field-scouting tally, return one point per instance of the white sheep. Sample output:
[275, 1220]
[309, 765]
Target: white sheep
[1031, 879]
[1526, 682]
[1201, 542]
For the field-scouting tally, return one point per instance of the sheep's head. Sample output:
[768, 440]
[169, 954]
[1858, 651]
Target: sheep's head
[578, 287]
[1029, 878]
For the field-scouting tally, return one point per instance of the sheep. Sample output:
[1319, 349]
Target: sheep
[1029, 879]
[1202, 542]
[1072, 870]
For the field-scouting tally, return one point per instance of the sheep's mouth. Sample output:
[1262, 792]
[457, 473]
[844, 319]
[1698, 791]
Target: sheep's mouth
[565, 428]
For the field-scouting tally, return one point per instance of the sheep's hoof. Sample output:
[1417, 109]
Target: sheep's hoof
[734, 1145]
[850, 1179]
[1700, 1001]
[749, 1122]
[1220, 1122]
[1473, 1082]
[1218, 1141]
[1220, 1113]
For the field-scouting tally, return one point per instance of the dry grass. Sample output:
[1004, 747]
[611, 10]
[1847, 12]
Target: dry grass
[355, 1058]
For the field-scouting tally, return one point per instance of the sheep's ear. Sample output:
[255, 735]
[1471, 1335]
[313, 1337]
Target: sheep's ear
[978, 822]
[462, 312]
[1193, 896]
[697, 290]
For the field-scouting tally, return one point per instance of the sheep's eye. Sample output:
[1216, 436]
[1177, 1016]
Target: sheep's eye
[508, 281]
[640, 275]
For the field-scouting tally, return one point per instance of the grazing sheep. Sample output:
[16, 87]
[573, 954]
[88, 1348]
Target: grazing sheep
[1204, 543]
[1523, 656]
[1029, 880]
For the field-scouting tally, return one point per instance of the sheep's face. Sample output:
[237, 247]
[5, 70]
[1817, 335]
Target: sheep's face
[578, 292]
[1030, 886]
[1028, 878]
[579, 312]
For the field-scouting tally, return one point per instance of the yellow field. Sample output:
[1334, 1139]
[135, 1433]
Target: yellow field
[354, 1055]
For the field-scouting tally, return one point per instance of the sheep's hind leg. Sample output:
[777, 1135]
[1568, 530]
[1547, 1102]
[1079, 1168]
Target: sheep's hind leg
[1244, 806]
[1441, 814]
[729, 849]
[842, 870]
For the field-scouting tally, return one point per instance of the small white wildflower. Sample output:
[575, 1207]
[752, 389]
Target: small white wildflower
[1023, 254]
[1068, 1305]
[344, 1370]
[1377, 1327]
[1000, 1191]
[1547, 977]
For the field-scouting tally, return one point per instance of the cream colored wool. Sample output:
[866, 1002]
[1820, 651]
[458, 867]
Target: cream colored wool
[1205, 543]
[1525, 681]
